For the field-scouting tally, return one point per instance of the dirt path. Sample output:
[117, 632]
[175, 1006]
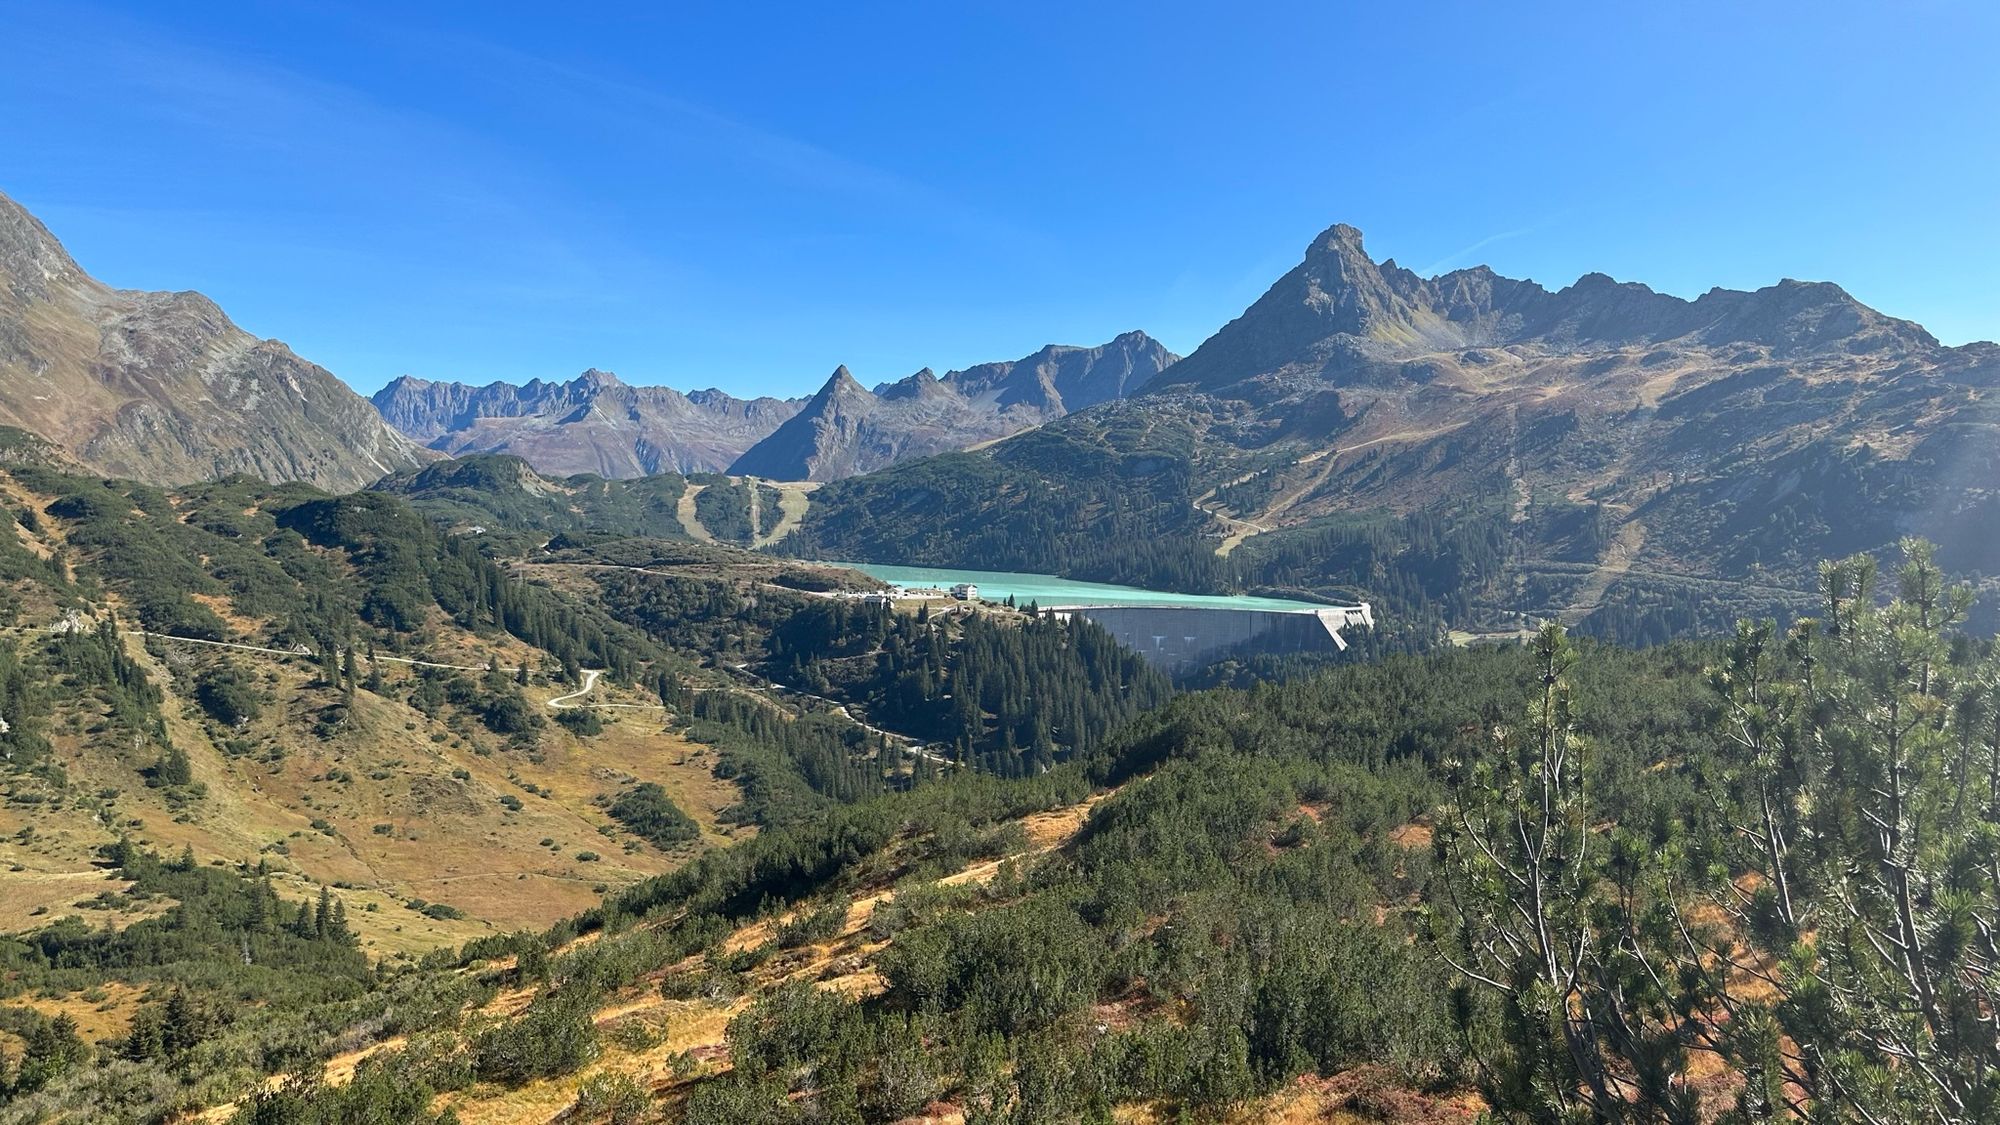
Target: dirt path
[285, 652]
[590, 675]
[690, 522]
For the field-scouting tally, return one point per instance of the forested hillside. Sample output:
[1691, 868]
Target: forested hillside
[1008, 697]
[1092, 497]
[325, 684]
[519, 511]
[264, 748]
[505, 497]
[1538, 881]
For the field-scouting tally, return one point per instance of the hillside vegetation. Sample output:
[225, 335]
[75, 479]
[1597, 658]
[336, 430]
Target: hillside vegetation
[385, 728]
[1544, 881]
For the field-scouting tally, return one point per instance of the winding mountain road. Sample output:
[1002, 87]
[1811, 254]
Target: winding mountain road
[561, 702]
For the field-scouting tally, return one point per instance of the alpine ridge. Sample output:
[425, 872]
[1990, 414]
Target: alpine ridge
[1339, 309]
[1624, 460]
[598, 424]
[162, 387]
[846, 429]
[594, 423]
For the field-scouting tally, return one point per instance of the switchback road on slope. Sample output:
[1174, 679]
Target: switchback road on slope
[589, 681]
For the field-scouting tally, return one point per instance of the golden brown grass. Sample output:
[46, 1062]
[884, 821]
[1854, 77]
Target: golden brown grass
[396, 822]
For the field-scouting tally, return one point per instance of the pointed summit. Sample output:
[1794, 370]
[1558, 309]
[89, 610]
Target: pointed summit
[1339, 239]
[817, 442]
[1335, 300]
[845, 429]
[924, 384]
[842, 382]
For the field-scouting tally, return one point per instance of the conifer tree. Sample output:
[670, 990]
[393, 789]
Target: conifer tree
[303, 926]
[184, 1023]
[147, 1037]
[1589, 1027]
[173, 769]
[1850, 757]
[323, 914]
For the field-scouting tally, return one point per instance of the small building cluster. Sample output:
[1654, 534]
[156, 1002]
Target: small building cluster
[964, 592]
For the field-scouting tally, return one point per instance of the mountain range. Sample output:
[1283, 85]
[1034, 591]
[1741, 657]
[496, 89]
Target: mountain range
[1476, 452]
[593, 423]
[597, 424]
[163, 387]
[847, 429]
[1475, 448]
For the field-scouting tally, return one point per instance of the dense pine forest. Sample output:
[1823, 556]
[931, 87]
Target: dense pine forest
[1009, 697]
[1746, 878]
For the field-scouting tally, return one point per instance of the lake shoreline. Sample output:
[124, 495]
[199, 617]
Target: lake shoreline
[1047, 590]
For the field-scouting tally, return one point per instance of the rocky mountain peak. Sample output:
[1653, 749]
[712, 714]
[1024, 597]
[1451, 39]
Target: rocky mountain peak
[1339, 240]
[845, 429]
[1339, 315]
[841, 389]
[594, 423]
[924, 384]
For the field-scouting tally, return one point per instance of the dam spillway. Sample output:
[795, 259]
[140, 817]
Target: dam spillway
[1178, 639]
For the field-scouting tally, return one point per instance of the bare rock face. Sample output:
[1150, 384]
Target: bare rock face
[591, 424]
[162, 387]
[846, 429]
[837, 430]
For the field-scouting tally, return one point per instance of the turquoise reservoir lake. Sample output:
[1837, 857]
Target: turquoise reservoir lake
[1044, 589]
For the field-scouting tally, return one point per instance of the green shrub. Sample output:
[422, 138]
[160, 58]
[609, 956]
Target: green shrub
[229, 696]
[580, 721]
[647, 811]
[553, 1036]
[822, 923]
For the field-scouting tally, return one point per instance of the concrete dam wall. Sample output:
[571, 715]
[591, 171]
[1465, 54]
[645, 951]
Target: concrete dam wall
[1183, 638]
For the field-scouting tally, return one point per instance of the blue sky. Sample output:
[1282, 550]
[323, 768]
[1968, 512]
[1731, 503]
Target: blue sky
[744, 196]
